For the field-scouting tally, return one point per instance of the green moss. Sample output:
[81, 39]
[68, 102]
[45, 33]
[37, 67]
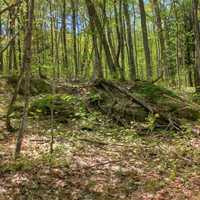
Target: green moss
[196, 97]
[37, 85]
[152, 92]
[64, 106]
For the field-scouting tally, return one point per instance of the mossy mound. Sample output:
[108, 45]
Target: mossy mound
[151, 92]
[64, 107]
[135, 101]
[165, 101]
[124, 103]
[196, 98]
[116, 106]
[37, 85]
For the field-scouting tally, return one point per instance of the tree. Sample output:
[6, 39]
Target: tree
[131, 56]
[94, 19]
[197, 44]
[74, 27]
[26, 65]
[64, 26]
[145, 40]
[163, 67]
[124, 44]
[1, 53]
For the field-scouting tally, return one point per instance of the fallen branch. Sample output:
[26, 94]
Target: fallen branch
[105, 83]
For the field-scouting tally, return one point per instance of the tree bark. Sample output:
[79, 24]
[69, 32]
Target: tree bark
[65, 57]
[1, 53]
[160, 37]
[94, 19]
[145, 40]
[26, 64]
[131, 56]
[74, 27]
[197, 44]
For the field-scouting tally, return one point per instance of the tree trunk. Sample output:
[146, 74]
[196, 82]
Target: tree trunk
[65, 57]
[26, 64]
[12, 50]
[197, 44]
[74, 27]
[98, 71]
[131, 56]
[94, 19]
[160, 37]
[145, 40]
[135, 42]
[1, 54]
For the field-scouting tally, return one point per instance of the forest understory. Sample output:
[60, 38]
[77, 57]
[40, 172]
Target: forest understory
[96, 155]
[100, 100]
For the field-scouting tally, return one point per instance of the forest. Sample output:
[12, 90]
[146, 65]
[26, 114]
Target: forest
[99, 100]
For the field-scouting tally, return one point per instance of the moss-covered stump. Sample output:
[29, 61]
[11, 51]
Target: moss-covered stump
[64, 107]
[37, 85]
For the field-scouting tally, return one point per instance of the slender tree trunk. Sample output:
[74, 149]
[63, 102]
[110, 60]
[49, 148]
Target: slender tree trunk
[98, 73]
[122, 36]
[131, 56]
[27, 68]
[19, 52]
[85, 56]
[135, 41]
[178, 62]
[189, 47]
[117, 25]
[64, 26]
[160, 37]
[57, 39]
[197, 44]
[12, 50]
[94, 19]
[54, 75]
[74, 26]
[145, 40]
[1, 54]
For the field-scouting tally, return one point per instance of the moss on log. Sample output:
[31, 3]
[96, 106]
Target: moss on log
[37, 85]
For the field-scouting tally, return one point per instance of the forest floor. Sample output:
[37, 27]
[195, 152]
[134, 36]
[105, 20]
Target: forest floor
[105, 163]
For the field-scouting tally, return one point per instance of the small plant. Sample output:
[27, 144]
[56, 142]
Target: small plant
[151, 121]
[95, 97]
[22, 164]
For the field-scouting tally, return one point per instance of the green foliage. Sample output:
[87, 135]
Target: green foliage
[59, 157]
[151, 121]
[196, 98]
[64, 106]
[95, 96]
[152, 92]
[22, 164]
[37, 85]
